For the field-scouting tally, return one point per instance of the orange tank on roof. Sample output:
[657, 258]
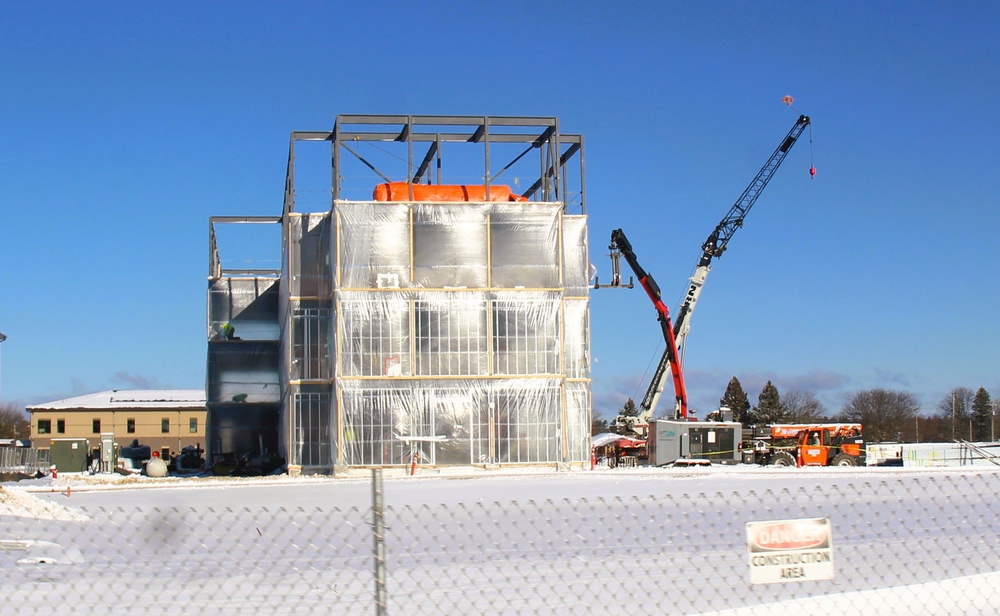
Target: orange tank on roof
[397, 191]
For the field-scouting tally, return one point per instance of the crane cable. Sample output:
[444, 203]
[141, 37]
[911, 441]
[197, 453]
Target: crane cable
[812, 167]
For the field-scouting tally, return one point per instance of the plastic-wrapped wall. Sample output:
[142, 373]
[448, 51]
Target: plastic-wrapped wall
[458, 331]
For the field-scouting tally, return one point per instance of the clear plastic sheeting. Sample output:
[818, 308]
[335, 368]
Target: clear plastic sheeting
[498, 245]
[448, 322]
[578, 420]
[577, 332]
[524, 244]
[457, 422]
[312, 426]
[449, 245]
[374, 248]
[308, 260]
[248, 305]
[437, 330]
[310, 356]
[374, 334]
[526, 333]
[576, 263]
[245, 372]
[481, 302]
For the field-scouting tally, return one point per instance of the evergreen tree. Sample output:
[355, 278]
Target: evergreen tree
[625, 426]
[736, 399]
[982, 414]
[769, 409]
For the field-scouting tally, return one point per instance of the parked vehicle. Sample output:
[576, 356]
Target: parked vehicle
[821, 444]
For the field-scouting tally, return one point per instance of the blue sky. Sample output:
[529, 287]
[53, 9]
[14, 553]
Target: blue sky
[124, 126]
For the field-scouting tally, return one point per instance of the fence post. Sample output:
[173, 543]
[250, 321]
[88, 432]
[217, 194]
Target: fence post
[378, 514]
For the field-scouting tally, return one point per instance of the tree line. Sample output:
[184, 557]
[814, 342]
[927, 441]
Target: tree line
[887, 415]
[13, 422]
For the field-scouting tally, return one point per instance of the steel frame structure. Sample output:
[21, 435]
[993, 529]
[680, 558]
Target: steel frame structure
[555, 150]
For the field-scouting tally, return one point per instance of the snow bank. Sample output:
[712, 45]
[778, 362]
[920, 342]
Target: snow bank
[16, 502]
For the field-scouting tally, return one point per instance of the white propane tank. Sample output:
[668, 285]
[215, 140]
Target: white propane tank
[156, 467]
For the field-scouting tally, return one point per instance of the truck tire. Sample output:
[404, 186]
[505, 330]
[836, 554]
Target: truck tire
[783, 458]
[842, 459]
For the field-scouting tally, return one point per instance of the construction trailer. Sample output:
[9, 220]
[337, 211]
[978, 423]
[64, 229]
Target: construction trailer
[717, 442]
[433, 305]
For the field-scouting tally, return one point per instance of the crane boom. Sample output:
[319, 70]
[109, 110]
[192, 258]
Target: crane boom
[713, 247]
[620, 243]
[718, 240]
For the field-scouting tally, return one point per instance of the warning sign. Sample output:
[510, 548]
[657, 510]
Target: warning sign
[790, 550]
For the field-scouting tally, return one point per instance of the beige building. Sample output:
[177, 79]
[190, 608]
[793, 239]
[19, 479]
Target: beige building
[166, 420]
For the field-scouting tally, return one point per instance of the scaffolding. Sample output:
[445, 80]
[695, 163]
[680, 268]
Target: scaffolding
[453, 328]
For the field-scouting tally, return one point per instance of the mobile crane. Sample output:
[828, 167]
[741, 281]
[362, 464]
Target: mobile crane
[713, 247]
[621, 246]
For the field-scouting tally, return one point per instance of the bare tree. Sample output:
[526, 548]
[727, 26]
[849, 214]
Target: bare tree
[598, 425]
[803, 407]
[955, 411]
[13, 422]
[884, 415]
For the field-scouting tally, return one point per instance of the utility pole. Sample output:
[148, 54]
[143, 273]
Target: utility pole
[953, 415]
[2, 338]
[993, 419]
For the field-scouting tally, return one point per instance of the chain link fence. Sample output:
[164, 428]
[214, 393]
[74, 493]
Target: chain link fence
[902, 544]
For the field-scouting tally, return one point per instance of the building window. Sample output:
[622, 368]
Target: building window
[45, 426]
[60, 426]
[193, 425]
[165, 426]
[450, 336]
[130, 426]
[97, 426]
[311, 335]
[375, 341]
[525, 336]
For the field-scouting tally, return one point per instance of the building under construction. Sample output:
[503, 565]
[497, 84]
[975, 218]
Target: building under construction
[430, 302]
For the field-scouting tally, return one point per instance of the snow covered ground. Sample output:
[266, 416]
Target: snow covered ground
[461, 541]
